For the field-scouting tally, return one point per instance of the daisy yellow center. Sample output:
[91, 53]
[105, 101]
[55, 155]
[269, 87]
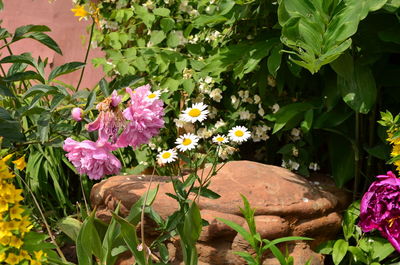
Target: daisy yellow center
[239, 133]
[166, 155]
[152, 95]
[194, 113]
[186, 141]
[220, 139]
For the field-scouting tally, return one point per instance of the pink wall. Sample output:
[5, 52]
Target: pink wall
[70, 34]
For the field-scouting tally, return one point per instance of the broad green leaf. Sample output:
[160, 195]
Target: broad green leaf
[192, 225]
[358, 255]
[128, 232]
[318, 33]
[144, 15]
[326, 248]
[339, 251]
[40, 89]
[11, 131]
[163, 12]
[167, 24]
[173, 39]
[156, 37]
[23, 58]
[360, 91]
[88, 242]
[65, 69]
[381, 248]
[287, 113]
[206, 193]
[70, 226]
[91, 99]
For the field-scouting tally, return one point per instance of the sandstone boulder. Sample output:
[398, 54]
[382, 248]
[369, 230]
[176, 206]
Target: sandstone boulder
[286, 204]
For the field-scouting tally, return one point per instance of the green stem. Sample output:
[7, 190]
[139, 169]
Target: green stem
[86, 55]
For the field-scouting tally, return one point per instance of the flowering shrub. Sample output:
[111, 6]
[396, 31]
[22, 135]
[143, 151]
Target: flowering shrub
[380, 208]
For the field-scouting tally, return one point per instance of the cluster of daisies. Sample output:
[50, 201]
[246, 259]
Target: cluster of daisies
[136, 124]
[198, 113]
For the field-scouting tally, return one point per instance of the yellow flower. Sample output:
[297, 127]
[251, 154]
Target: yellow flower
[12, 195]
[5, 240]
[39, 255]
[24, 254]
[16, 212]
[4, 233]
[3, 205]
[2, 256]
[16, 242]
[80, 11]
[20, 163]
[4, 171]
[12, 259]
[25, 225]
[7, 157]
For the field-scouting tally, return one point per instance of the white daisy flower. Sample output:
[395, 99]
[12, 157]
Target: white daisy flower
[187, 141]
[154, 95]
[220, 139]
[239, 134]
[167, 156]
[198, 112]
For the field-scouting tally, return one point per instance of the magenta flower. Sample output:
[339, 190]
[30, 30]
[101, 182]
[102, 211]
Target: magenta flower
[110, 119]
[76, 114]
[380, 208]
[145, 116]
[92, 158]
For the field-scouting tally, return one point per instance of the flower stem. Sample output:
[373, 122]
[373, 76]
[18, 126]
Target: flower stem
[86, 55]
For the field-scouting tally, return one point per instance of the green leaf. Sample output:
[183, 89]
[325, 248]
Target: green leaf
[167, 24]
[381, 248]
[358, 255]
[163, 12]
[22, 76]
[326, 248]
[128, 232]
[274, 60]
[287, 113]
[70, 226]
[246, 235]
[65, 69]
[206, 193]
[144, 15]
[5, 90]
[192, 225]
[88, 242]
[308, 120]
[173, 39]
[11, 130]
[40, 90]
[91, 99]
[339, 251]
[247, 257]
[21, 31]
[45, 40]
[156, 37]
[23, 58]
[360, 91]
[104, 87]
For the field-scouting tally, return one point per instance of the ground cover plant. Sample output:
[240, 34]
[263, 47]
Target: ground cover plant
[194, 84]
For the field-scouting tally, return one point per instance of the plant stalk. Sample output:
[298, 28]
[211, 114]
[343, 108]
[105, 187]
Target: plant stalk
[86, 55]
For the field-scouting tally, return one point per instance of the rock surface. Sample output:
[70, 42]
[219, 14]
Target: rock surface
[286, 204]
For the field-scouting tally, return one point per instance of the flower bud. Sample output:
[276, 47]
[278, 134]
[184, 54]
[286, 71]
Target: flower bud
[77, 114]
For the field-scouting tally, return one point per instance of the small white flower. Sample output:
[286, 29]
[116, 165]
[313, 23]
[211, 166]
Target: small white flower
[208, 79]
[291, 165]
[187, 73]
[186, 142]
[295, 151]
[216, 94]
[233, 99]
[198, 112]
[275, 108]
[167, 156]
[220, 124]
[154, 95]
[220, 139]
[204, 133]
[257, 99]
[295, 133]
[226, 151]
[239, 134]
[244, 115]
[313, 166]
[261, 111]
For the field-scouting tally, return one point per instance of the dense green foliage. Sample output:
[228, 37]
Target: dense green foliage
[329, 65]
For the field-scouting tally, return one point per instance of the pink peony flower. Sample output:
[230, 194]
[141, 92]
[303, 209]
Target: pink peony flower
[380, 208]
[145, 115]
[92, 158]
[110, 119]
[76, 114]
